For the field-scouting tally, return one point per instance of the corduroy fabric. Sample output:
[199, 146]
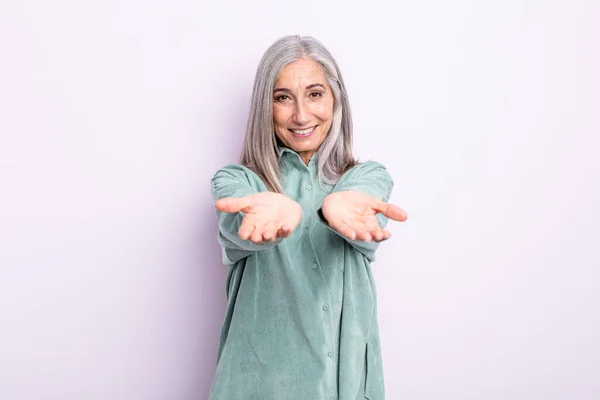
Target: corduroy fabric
[301, 320]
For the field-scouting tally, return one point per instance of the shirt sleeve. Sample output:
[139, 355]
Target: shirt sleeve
[370, 178]
[235, 181]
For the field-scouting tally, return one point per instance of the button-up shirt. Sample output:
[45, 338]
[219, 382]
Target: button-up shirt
[301, 320]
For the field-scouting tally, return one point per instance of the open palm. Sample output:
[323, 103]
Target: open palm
[354, 215]
[267, 216]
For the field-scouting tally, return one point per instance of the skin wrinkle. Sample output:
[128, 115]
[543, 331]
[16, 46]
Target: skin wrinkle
[292, 287]
[290, 263]
[301, 101]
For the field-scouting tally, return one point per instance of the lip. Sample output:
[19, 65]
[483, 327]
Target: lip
[314, 128]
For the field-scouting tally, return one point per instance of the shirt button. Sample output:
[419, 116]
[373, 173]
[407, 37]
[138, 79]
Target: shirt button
[307, 226]
[332, 398]
[325, 307]
[330, 354]
[308, 187]
[314, 266]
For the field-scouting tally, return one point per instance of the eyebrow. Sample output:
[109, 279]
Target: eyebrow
[307, 88]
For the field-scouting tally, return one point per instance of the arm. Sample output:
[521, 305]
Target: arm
[235, 181]
[370, 178]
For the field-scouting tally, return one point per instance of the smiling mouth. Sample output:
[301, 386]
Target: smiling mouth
[303, 132]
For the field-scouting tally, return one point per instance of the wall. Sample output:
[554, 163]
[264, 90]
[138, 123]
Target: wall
[115, 114]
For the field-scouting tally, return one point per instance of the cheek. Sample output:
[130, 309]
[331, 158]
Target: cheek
[280, 116]
[325, 112]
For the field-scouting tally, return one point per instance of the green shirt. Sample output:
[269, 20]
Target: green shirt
[301, 320]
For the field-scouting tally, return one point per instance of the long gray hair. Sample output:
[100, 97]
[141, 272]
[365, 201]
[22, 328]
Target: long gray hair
[260, 153]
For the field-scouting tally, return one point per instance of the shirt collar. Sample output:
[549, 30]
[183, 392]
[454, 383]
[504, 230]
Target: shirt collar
[283, 149]
[295, 159]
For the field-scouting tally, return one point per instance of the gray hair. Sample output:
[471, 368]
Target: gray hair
[259, 152]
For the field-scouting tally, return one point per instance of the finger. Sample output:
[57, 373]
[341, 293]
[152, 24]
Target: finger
[373, 227]
[246, 228]
[269, 233]
[378, 235]
[365, 236]
[232, 204]
[363, 228]
[385, 235]
[390, 210]
[284, 231]
[257, 234]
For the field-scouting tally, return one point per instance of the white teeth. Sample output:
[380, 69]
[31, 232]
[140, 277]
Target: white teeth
[303, 132]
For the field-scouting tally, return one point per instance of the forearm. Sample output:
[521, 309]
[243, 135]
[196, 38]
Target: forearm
[371, 179]
[232, 182]
[367, 248]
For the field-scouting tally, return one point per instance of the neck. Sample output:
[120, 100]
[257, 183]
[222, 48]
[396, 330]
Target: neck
[305, 156]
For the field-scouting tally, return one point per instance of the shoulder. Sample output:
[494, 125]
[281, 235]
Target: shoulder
[367, 169]
[237, 174]
[369, 177]
[233, 170]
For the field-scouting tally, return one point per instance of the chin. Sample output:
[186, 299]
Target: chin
[304, 147]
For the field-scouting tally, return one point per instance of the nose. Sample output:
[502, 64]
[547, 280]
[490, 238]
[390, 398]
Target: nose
[301, 115]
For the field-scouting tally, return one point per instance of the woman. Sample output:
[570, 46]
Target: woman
[299, 222]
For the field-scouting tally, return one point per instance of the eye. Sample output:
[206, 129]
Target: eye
[282, 97]
[316, 94]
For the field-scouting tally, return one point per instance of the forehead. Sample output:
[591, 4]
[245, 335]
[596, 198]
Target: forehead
[301, 72]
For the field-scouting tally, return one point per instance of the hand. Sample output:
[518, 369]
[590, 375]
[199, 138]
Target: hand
[353, 215]
[267, 215]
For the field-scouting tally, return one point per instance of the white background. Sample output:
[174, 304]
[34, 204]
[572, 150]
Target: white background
[115, 114]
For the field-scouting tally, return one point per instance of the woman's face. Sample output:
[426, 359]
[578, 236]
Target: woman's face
[302, 107]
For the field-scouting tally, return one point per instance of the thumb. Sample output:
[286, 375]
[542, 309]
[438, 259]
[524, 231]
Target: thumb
[232, 204]
[391, 211]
